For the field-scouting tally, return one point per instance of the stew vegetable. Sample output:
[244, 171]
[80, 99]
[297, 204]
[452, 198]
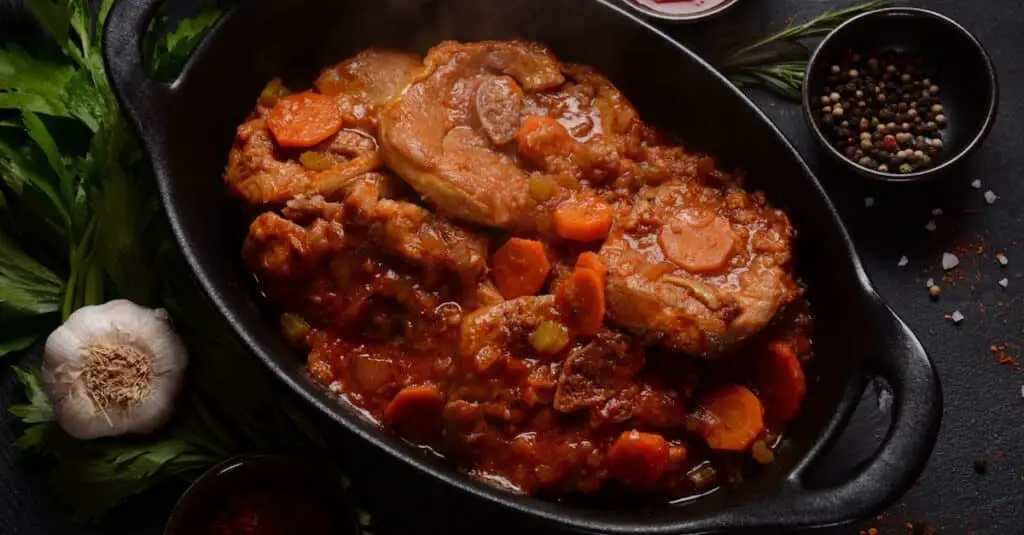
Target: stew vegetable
[488, 252]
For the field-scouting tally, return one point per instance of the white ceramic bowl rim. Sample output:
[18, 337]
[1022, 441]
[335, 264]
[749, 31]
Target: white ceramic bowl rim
[710, 11]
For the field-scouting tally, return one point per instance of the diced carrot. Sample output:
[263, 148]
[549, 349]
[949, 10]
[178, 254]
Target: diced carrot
[781, 382]
[583, 221]
[520, 268]
[541, 137]
[638, 459]
[729, 418]
[416, 412]
[589, 260]
[581, 296]
[697, 240]
[303, 120]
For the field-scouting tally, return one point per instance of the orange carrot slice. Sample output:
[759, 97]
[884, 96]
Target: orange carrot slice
[583, 221]
[581, 296]
[520, 268]
[415, 413]
[303, 120]
[592, 261]
[697, 240]
[638, 459]
[781, 382]
[729, 418]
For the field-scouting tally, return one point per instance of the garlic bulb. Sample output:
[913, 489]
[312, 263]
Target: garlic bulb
[113, 369]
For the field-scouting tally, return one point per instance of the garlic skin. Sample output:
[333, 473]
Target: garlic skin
[113, 369]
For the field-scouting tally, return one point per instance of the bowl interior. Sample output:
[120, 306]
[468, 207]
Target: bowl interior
[953, 58]
[197, 508]
[683, 11]
[263, 38]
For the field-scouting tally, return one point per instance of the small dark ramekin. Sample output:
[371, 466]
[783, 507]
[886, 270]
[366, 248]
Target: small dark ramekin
[964, 71]
[198, 506]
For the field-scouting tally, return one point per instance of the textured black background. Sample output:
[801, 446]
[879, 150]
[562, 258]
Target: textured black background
[984, 407]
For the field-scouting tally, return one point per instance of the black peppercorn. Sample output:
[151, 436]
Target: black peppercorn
[980, 466]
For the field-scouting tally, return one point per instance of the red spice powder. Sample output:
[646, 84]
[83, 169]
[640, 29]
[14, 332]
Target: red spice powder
[1004, 358]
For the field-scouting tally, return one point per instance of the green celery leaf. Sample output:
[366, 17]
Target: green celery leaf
[38, 409]
[127, 212]
[27, 288]
[33, 82]
[81, 23]
[16, 342]
[33, 103]
[101, 19]
[170, 55]
[55, 19]
[18, 168]
[36, 130]
[96, 478]
[20, 333]
[84, 102]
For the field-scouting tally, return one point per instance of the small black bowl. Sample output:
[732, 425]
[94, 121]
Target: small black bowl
[199, 505]
[961, 67]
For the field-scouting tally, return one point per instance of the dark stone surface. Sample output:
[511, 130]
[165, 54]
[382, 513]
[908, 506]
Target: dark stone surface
[984, 409]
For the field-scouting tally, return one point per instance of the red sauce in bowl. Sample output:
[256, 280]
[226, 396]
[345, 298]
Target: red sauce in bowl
[270, 512]
[680, 7]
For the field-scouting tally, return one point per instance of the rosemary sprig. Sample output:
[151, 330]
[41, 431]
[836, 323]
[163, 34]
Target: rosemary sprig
[778, 62]
[786, 79]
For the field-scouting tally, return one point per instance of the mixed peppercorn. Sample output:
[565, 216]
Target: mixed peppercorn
[883, 112]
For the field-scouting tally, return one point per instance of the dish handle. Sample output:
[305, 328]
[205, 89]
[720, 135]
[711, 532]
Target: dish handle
[143, 98]
[894, 354]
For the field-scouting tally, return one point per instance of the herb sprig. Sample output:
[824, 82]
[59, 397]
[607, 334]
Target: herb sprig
[80, 223]
[778, 62]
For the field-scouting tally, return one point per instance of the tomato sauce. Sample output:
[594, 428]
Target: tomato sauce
[270, 512]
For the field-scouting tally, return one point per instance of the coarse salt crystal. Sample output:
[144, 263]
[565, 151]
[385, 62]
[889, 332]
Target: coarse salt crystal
[990, 197]
[937, 211]
[903, 261]
[1001, 258]
[869, 202]
[957, 316]
[1004, 282]
[930, 227]
[976, 184]
[949, 261]
[929, 283]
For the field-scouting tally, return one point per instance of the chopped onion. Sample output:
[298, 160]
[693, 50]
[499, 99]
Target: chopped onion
[1004, 282]
[976, 184]
[930, 227]
[990, 197]
[903, 261]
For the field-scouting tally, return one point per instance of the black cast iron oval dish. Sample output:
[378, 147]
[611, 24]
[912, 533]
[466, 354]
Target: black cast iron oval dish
[188, 127]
